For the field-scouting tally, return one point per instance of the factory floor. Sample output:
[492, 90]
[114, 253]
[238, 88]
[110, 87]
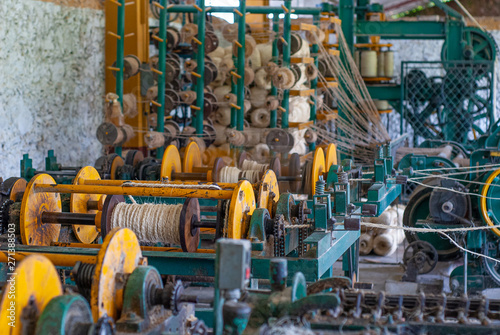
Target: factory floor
[385, 273]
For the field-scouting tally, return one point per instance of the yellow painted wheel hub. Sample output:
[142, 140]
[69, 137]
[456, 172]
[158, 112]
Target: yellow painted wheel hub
[192, 157]
[318, 168]
[171, 162]
[484, 203]
[242, 205]
[78, 204]
[120, 253]
[269, 192]
[37, 280]
[33, 232]
[330, 156]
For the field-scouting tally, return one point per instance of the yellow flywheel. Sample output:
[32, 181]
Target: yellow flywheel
[36, 282]
[79, 204]
[330, 156]
[318, 168]
[120, 253]
[242, 205]
[33, 231]
[489, 204]
[171, 162]
[269, 192]
[192, 157]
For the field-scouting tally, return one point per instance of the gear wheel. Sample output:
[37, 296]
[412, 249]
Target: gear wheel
[172, 296]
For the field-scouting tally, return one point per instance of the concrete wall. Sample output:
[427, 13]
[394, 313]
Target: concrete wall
[51, 82]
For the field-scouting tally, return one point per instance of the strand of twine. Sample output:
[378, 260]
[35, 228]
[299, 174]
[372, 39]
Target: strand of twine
[169, 185]
[452, 190]
[253, 165]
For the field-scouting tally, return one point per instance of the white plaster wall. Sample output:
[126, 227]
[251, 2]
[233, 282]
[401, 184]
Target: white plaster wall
[51, 83]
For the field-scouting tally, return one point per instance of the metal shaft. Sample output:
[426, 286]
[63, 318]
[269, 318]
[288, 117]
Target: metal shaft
[137, 191]
[68, 218]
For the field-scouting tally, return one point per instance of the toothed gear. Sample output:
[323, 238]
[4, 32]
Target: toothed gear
[172, 293]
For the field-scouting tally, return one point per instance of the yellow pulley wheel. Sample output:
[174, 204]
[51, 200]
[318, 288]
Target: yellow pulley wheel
[192, 157]
[115, 164]
[330, 156]
[35, 283]
[18, 187]
[120, 254]
[242, 205]
[489, 204]
[318, 168]
[78, 204]
[171, 162]
[269, 192]
[33, 231]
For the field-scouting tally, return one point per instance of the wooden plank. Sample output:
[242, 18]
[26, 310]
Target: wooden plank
[334, 52]
[300, 125]
[303, 26]
[301, 60]
[328, 84]
[302, 93]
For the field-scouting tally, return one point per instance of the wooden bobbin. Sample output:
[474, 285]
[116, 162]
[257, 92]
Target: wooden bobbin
[189, 233]
[79, 203]
[119, 255]
[36, 282]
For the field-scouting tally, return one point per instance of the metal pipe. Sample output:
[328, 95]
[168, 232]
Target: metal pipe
[275, 54]
[314, 82]
[287, 35]
[240, 94]
[68, 218]
[189, 176]
[136, 191]
[109, 182]
[143, 248]
[200, 68]
[120, 45]
[162, 53]
[68, 260]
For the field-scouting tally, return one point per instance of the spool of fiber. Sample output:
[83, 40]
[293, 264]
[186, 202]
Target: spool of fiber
[188, 31]
[221, 91]
[272, 103]
[250, 46]
[368, 63]
[220, 134]
[230, 98]
[258, 97]
[389, 63]
[217, 53]
[382, 105]
[260, 118]
[271, 68]
[235, 137]
[230, 32]
[260, 152]
[201, 143]
[113, 112]
[247, 106]
[262, 79]
[380, 64]
[130, 105]
[283, 78]
[154, 139]
[152, 93]
[223, 116]
[249, 76]
[385, 244]
[188, 97]
[303, 50]
[365, 243]
[311, 71]
[315, 36]
[254, 60]
[190, 65]
[266, 52]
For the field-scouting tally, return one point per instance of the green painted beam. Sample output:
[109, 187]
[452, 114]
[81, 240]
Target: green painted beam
[162, 54]
[385, 92]
[421, 30]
